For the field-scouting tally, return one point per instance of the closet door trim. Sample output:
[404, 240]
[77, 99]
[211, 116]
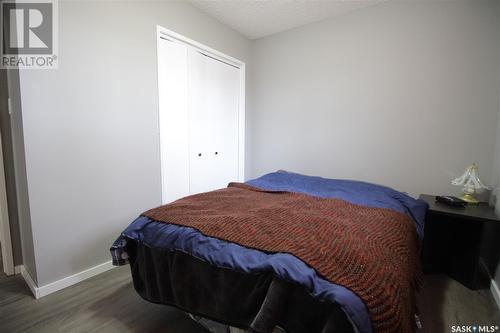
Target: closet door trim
[164, 33]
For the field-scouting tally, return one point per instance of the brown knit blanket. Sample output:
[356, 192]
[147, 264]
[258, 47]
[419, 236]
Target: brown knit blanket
[371, 251]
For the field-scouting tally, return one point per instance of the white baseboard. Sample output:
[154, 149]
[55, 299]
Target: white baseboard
[30, 282]
[52, 287]
[17, 269]
[495, 291]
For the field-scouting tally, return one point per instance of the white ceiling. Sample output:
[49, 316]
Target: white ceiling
[258, 18]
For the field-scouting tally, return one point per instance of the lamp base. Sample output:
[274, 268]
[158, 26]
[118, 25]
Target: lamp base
[470, 199]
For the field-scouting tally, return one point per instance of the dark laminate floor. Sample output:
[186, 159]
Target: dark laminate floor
[108, 303]
[444, 302]
[105, 303]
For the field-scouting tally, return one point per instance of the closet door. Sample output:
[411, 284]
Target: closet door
[213, 119]
[173, 119]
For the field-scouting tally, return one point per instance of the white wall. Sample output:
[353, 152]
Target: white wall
[402, 93]
[91, 127]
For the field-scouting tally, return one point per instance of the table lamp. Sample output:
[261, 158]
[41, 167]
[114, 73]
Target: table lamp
[471, 184]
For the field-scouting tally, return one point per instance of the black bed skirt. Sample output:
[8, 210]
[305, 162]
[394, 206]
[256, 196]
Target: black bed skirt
[254, 302]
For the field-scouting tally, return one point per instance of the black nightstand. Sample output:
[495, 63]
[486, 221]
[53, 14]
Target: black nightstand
[453, 241]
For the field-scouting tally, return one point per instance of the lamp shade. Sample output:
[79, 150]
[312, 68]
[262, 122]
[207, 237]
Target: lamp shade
[470, 179]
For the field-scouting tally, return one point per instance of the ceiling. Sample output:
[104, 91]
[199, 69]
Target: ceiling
[259, 18]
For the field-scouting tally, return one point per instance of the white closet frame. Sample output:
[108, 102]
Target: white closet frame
[163, 33]
[5, 235]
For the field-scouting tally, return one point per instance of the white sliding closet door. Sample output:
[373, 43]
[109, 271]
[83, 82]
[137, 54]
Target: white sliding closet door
[173, 119]
[214, 89]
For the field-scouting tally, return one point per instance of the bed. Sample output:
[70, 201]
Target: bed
[300, 253]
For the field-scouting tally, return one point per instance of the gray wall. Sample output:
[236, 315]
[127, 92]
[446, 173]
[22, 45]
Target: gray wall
[402, 93]
[496, 170]
[493, 235]
[497, 205]
[91, 127]
[495, 251]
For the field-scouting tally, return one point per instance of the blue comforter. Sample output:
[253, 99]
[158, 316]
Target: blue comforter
[225, 254]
